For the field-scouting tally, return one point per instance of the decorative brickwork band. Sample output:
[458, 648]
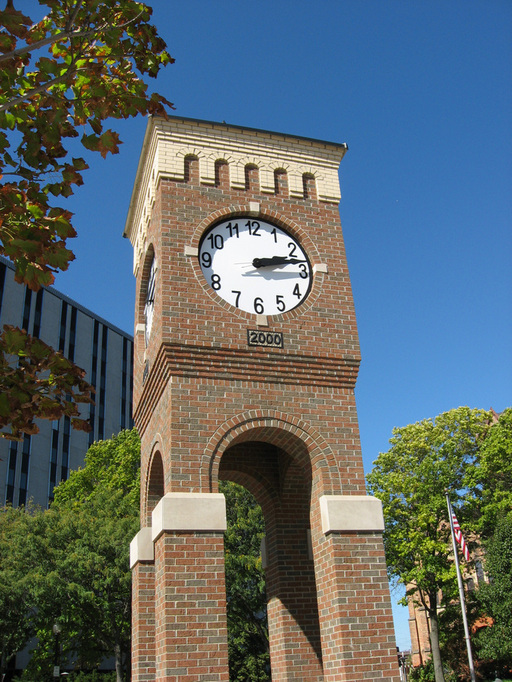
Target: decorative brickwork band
[168, 144]
[351, 514]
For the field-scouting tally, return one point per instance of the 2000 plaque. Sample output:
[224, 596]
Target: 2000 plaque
[259, 338]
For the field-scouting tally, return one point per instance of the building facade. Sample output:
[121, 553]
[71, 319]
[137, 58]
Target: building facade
[31, 468]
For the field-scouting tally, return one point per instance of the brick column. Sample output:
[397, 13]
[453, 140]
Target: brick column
[191, 624]
[294, 636]
[356, 623]
[143, 606]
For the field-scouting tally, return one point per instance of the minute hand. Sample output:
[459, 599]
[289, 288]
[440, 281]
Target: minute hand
[275, 260]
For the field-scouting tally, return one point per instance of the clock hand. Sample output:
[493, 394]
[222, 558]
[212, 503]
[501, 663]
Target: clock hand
[275, 260]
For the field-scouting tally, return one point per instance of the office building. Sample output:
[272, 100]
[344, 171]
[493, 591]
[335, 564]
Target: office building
[31, 468]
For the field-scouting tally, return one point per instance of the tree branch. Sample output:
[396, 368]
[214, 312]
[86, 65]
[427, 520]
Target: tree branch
[74, 14]
[45, 41]
[35, 91]
[67, 33]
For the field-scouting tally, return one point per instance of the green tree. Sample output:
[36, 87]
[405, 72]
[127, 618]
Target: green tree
[82, 582]
[16, 606]
[495, 643]
[75, 573]
[61, 78]
[110, 465]
[98, 515]
[410, 479]
[74, 563]
[245, 587]
[493, 476]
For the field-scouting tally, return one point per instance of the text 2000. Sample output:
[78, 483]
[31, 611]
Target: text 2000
[259, 338]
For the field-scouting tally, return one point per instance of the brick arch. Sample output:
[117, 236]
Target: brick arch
[190, 153]
[266, 495]
[252, 177]
[281, 181]
[146, 266]
[221, 170]
[304, 445]
[309, 185]
[154, 488]
[191, 169]
[242, 210]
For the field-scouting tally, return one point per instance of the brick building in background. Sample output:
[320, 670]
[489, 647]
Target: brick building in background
[31, 468]
[246, 357]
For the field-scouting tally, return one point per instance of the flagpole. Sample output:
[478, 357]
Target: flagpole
[461, 592]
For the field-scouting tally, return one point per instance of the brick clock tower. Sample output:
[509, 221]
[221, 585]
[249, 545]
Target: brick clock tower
[246, 358]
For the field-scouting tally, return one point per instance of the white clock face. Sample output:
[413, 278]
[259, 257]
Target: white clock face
[255, 266]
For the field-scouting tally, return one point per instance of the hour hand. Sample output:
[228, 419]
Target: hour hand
[275, 260]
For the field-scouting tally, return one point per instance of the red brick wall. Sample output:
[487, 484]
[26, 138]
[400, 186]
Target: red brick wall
[190, 607]
[143, 622]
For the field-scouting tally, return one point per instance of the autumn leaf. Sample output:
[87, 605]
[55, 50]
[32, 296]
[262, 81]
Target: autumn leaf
[60, 78]
[36, 382]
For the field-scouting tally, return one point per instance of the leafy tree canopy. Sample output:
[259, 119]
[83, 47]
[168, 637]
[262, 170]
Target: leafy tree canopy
[424, 460]
[69, 564]
[16, 608]
[495, 643]
[78, 66]
[40, 383]
[493, 476]
[61, 78]
[110, 465]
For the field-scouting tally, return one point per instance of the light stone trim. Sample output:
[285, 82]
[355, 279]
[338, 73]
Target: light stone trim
[351, 514]
[192, 512]
[142, 547]
[320, 267]
[167, 143]
[140, 328]
[191, 250]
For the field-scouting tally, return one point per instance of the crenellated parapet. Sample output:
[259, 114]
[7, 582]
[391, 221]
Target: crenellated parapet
[168, 144]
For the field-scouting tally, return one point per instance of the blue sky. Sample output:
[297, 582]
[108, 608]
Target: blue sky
[421, 93]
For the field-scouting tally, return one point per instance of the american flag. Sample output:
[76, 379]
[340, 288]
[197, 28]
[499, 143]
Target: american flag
[459, 537]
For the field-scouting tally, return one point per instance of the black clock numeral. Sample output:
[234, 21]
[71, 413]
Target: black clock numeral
[216, 282]
[217, 241]
[274, 234]
[281, 305]
[258, 305]
[296, 291]
[206, 259]
[254, 228]
[303, 271]
[233, 229]
[238, 294]
[293, 248]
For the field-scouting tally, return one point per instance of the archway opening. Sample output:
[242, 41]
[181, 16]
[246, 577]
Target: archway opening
[281, 484]
[248, 646]
[155, 486]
